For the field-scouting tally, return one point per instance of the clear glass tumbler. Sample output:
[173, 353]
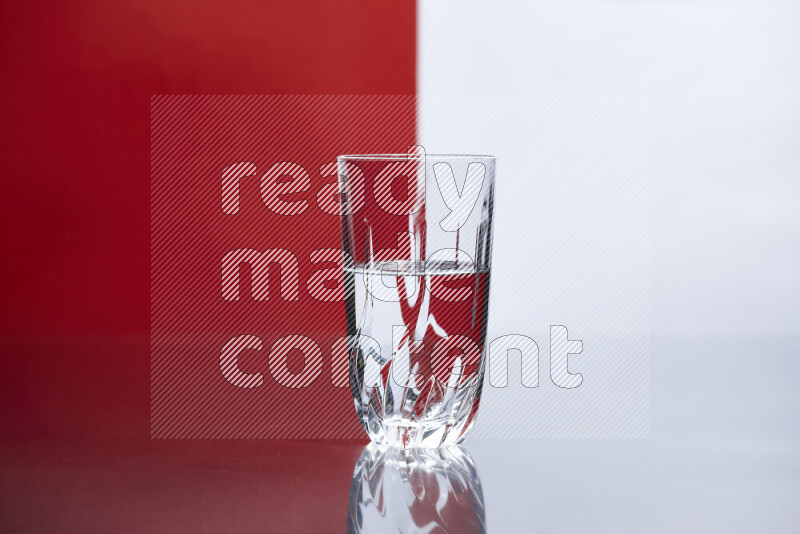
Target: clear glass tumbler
[417, 243]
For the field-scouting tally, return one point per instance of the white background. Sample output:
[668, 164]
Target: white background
[723, 80]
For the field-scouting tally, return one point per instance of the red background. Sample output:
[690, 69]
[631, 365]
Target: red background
[193, 140]
[77, 81]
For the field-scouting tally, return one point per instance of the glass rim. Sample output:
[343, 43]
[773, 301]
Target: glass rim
[405, 157]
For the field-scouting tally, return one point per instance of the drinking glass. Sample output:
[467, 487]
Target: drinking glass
[417, 248]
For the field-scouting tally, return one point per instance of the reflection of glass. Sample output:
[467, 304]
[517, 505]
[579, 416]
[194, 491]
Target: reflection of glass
[417, 237]
[415, 490]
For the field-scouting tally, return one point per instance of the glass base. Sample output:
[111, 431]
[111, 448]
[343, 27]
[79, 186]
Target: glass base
[403, 434]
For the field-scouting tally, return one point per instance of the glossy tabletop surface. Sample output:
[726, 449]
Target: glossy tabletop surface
[723, 456]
